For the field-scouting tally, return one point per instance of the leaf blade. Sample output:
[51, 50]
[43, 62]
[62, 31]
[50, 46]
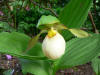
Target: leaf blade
[74, 14]
[36, 67]
[16, 43]
[96, 65]
[77, 52]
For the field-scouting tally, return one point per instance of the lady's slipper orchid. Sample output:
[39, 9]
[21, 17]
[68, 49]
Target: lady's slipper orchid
[53, 45]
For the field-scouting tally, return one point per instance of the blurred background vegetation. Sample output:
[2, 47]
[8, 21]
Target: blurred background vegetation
[23, 15]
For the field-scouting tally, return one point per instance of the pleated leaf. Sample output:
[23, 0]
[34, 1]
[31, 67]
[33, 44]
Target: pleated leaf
[79, 51]
[96, 65]
[74, 14]
[16, 43]
[37, 67]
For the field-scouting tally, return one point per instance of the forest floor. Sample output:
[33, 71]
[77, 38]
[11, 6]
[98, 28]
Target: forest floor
[13, 64]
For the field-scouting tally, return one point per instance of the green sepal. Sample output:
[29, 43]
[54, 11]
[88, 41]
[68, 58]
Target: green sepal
[34, 40]
[47, 21]
[79, 33]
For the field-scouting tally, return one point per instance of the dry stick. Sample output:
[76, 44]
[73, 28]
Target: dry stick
[52, 11]
[93, 24]
[35, 3]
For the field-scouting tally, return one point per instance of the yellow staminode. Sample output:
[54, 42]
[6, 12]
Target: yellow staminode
[51, 33]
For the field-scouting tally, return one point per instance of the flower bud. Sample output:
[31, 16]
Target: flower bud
[53, 45]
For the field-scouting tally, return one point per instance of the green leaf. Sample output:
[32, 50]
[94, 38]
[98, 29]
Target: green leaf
[79, 33]
[79, 51]
[47, 21]
[16, 43]
[96, 65]
[74, 14]
[36, 67]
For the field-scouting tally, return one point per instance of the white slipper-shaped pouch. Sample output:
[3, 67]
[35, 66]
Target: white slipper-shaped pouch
[53, 45]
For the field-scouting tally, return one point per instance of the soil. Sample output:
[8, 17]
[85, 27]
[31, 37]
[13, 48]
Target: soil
[6, 64]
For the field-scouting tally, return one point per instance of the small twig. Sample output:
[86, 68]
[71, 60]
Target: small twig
[92, 21]
[35, 3]
[51, 11]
